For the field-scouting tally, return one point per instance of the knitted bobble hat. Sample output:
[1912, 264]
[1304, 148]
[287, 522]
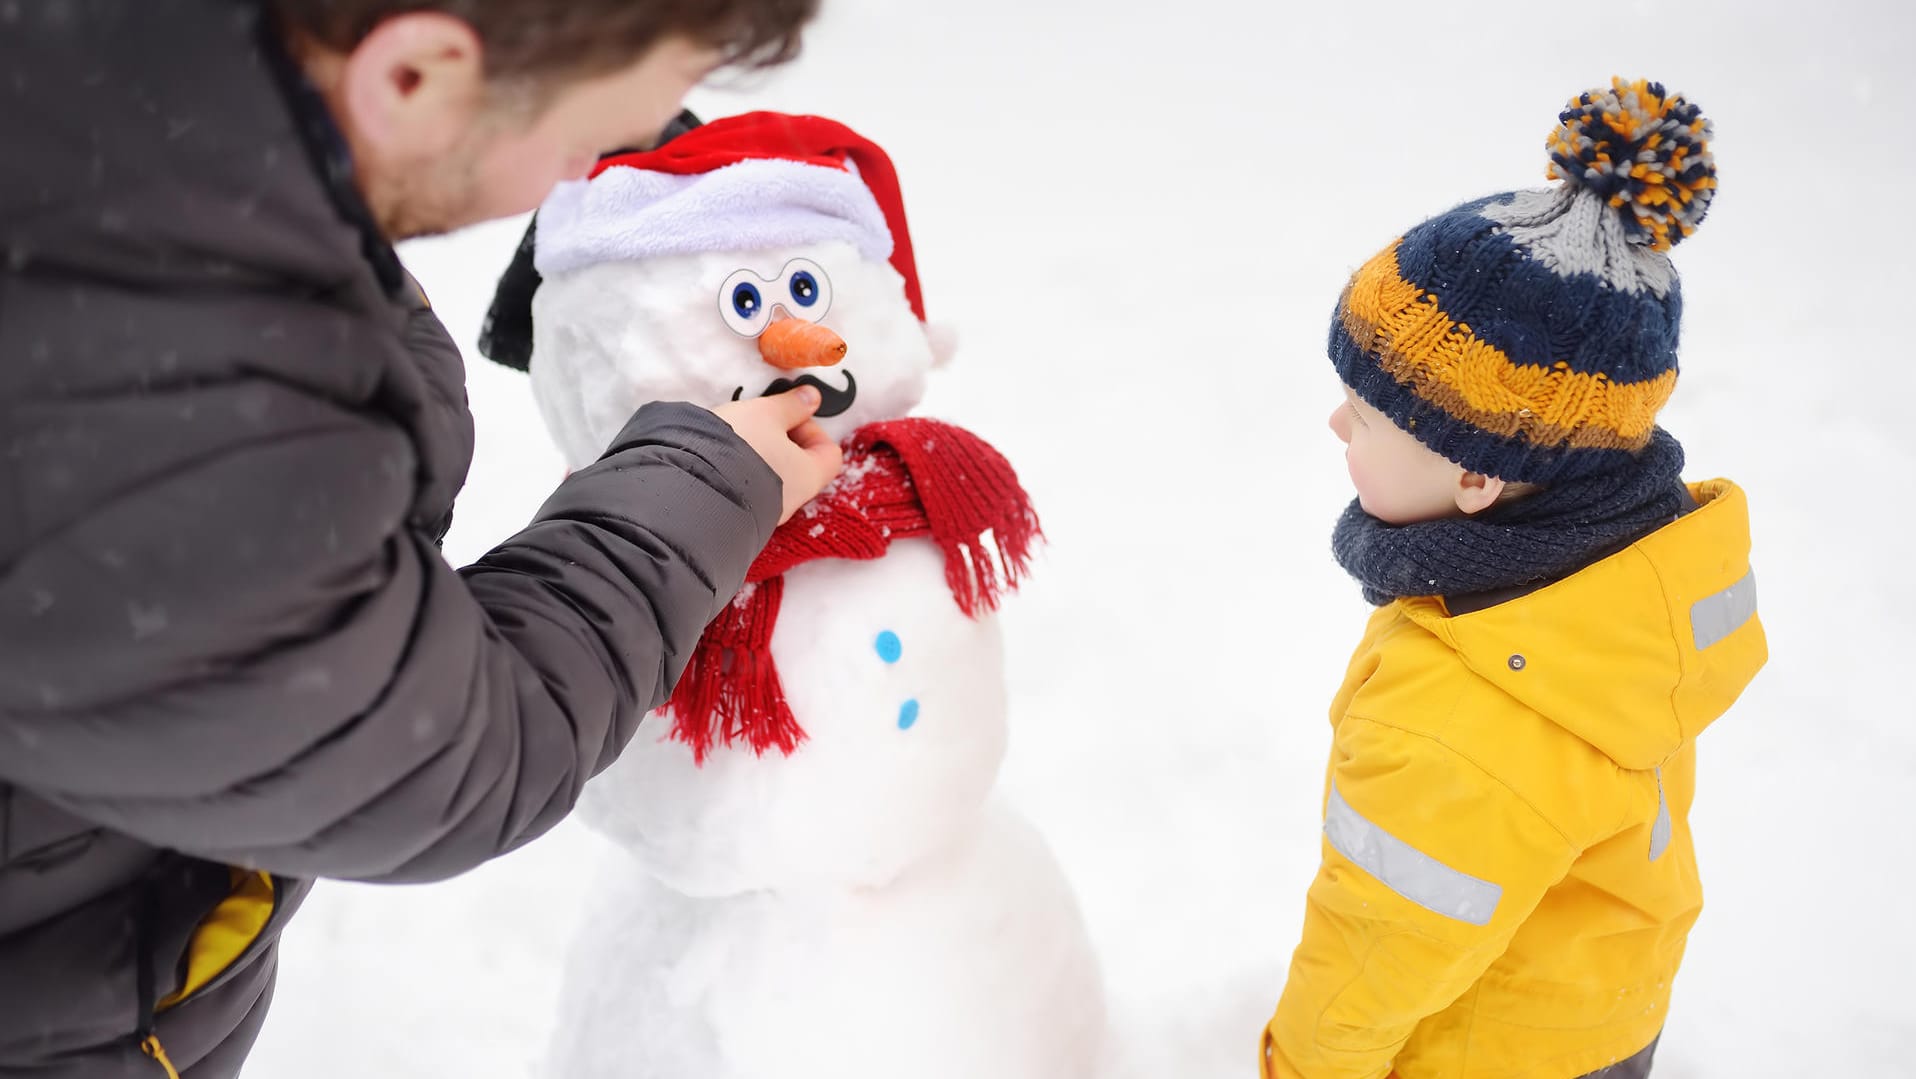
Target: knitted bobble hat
[1532, 335]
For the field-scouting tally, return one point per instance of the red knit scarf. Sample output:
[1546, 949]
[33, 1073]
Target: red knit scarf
[903, 479]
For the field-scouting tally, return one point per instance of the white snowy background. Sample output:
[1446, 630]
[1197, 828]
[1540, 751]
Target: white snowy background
[1139, 217]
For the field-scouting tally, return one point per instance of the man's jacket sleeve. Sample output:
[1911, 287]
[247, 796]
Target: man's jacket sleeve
[226, 634]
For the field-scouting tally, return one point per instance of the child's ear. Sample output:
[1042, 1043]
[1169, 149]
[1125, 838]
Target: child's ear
[944, 343]
[1477, 492]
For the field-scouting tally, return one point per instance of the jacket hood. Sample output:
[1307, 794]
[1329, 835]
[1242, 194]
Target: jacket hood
[1638, 653]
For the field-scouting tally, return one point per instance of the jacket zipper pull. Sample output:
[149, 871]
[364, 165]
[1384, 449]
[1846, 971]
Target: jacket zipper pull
[143, 978]
[152, 1047]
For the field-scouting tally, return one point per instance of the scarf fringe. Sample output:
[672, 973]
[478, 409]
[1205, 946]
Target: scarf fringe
[981, 570]
[730, 693]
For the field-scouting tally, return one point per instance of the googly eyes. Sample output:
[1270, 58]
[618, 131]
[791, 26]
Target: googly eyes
[746, 300]
[747, 304]
[808, 288]
[804, 288]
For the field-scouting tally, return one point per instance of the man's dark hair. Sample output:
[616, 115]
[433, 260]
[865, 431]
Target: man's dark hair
[545, 40]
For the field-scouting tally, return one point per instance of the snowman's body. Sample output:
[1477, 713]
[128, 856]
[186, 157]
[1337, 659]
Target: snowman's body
[969, 965]
[863, 908]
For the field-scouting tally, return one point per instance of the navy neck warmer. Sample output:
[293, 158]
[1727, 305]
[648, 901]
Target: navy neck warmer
[1529, 541]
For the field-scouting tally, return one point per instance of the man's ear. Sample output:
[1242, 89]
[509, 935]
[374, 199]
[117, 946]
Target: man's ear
[414, 86]
[1477, 492]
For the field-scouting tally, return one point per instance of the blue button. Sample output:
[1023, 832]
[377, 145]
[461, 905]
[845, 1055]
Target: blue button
[890, 647]
[907, 715]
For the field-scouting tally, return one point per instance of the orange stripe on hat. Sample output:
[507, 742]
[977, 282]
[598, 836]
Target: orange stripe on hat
[1446, 365]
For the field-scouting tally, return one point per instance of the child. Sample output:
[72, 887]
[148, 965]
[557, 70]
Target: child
[1507, 876]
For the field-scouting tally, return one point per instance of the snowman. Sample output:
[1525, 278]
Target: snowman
[814, 877]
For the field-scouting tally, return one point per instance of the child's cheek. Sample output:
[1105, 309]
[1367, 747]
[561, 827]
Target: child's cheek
[1376, 491]
[1360, 473]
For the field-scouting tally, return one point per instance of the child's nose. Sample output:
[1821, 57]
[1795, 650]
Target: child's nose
[1341, 424]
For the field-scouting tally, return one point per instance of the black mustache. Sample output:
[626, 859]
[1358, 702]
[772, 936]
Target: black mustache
[832, 400]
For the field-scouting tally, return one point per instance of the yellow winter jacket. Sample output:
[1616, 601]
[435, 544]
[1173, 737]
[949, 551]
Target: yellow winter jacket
[1507, 877]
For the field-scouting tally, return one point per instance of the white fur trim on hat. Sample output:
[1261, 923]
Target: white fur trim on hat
[628, 214]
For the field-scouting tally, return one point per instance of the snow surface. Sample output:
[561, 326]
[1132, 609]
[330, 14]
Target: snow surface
[1139, 217]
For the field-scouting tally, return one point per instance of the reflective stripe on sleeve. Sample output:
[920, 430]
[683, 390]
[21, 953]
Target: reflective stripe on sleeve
[1713, 618]
[1406, 870]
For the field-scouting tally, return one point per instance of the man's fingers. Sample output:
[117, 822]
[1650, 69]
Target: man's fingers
[794, 407]
[781, 429]
[809, 434]
[829, 459]
[820, 448]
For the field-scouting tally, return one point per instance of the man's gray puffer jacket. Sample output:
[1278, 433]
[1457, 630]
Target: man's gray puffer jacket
[232, 658]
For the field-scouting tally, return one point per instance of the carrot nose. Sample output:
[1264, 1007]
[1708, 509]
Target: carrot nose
[792, 343]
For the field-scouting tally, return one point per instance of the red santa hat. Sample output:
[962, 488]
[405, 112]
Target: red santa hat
[743, 183]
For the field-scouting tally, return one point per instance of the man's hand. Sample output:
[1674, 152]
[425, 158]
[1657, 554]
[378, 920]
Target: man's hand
[781, 429]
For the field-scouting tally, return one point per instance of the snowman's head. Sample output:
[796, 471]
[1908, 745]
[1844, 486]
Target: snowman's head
[740, 258]
[713, 327]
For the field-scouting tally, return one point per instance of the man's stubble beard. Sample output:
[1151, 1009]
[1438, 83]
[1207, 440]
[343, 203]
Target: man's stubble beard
[436, 200]
[445, 195]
